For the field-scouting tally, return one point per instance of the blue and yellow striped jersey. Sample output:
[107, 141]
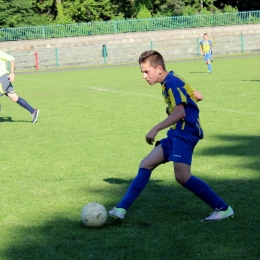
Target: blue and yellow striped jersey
[206, 46]
[175, 92]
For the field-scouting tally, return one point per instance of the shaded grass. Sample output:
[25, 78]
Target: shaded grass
[87, 146]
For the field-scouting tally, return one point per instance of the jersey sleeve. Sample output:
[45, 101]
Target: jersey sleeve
[177, 96]
[6, 57]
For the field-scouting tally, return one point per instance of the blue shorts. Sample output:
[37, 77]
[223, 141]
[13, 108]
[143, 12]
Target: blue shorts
[207, 56]
[178, 146]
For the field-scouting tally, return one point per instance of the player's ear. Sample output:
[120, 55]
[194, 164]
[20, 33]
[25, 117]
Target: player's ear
[160, 69]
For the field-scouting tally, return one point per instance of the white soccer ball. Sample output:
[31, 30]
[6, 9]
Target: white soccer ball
[94, 215]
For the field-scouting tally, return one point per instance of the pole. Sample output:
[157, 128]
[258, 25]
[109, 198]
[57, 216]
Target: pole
[36, 60]
[198, 46]
[104, 53]
[242, 42]
[57, 57]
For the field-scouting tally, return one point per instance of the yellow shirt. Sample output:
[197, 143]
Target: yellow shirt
[206, 46]
[3, 58]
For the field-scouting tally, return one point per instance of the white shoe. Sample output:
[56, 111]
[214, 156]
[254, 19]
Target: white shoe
[219, 214]
[117, 213]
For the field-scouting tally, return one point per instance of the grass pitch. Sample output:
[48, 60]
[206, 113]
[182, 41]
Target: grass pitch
[87, 145]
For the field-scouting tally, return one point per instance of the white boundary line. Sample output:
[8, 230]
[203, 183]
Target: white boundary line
[237, 111]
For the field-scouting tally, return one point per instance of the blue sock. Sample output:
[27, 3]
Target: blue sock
[205, 193]
[136, 187]
[209, 67]
[25, 105]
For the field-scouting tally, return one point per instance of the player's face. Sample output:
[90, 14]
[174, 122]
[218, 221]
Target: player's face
[205, 37]
[151, 74]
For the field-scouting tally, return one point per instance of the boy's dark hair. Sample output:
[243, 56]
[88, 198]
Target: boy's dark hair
[153, 57]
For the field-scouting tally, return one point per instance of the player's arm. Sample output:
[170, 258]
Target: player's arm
[201, 50]
[212, 48]
[177, 114]
[11, 75]
[198, 95]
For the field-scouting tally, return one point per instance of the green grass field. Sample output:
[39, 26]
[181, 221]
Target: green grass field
[87, 146]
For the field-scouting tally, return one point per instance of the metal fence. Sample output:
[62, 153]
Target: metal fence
[131, 25]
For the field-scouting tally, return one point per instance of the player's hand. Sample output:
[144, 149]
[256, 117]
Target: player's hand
[150, 136]
[11, 77]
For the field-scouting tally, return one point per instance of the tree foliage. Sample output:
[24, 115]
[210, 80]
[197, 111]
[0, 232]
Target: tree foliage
[41, 12]
[18, 13]
[89, 10]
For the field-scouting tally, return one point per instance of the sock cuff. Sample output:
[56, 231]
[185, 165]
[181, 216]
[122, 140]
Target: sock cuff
[145, 170]
[187, 183]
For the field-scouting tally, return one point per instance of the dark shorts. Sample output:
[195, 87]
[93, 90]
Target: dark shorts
[5, 85]
[178, 146]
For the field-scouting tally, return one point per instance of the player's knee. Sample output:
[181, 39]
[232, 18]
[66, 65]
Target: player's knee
[149, 163]
[145, 163]
[13, 97]
[182, 173]
[180, 179]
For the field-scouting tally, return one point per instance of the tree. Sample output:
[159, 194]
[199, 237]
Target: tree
[18, 13]
[172, 7]
[199, 7]
[123, 9]
[242, 5]
[88, 10]
[61, 18]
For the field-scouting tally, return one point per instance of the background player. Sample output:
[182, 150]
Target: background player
[6, 87]
[179, 144]
[206, 50]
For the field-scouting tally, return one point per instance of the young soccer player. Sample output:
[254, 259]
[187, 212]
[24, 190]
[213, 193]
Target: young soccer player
[184, 133]
[206, 50]
[6, 87]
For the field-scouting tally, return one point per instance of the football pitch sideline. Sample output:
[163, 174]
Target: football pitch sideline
[87, 146]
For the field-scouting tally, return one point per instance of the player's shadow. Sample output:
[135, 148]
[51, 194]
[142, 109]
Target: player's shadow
[256, 80]
[122, 181]
[6, 119]
[245, 147]
[9, 119]
[116, 181]
[198, 72]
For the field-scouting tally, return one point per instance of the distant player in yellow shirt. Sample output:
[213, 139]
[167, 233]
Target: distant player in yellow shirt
[206, 50]
[6, 88]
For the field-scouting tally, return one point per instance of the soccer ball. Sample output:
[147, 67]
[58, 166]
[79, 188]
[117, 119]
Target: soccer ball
[93, 215]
